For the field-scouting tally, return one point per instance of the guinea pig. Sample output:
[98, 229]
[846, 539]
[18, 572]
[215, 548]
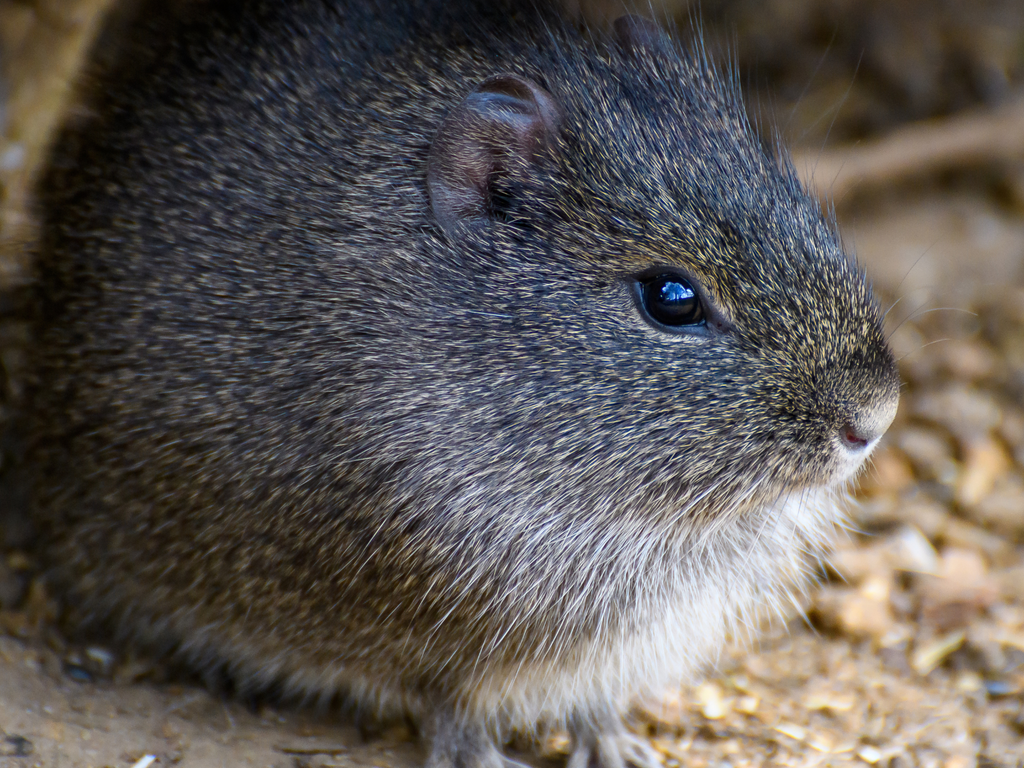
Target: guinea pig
[440, 354]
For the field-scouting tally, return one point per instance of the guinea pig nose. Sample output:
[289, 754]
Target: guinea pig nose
[853, 438]
[864, 426]
[866, 423]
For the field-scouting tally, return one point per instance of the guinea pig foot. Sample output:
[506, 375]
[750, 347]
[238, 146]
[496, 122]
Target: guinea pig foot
[455, 744]
[611, 747]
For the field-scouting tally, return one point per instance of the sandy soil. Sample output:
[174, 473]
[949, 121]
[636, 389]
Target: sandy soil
[909, 653]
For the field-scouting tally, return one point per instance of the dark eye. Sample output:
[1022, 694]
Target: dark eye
[671, 300]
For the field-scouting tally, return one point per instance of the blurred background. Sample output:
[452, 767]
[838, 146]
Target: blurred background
[907, 118]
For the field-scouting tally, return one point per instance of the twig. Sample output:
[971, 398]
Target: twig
[312, 750]
[917, 150]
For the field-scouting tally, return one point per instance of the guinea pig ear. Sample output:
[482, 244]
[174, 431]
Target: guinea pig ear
[506, 122]
[636, 34]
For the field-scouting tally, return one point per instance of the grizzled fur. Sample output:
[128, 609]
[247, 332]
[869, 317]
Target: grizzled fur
[288, 419]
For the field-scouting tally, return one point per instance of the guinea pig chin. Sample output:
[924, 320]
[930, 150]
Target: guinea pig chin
[851, 448]
[846, 464]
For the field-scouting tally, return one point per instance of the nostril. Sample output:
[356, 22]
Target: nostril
[853, 439]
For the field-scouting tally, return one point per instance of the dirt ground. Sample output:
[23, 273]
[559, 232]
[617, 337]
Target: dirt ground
[909, 653]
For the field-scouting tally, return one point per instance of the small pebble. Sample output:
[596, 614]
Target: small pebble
[19, 561]
[927, 515]
[670, 710]
[101, 658]
[869, 754]
[929, 451]
[989, 652]
[557, 744]
[832, 702]
[39, 607]
[133, 670]
[966, 359]
[1003, 509]
[909, 550]
[966, 412]
[960, 533]
[889, 471]
[961, 590]
[863, 612]
[77, 672]
[985, 461]
[12, 158]
[15, 746]
[882, 510]
[969, 682]
[867, 611]
[999, 688]
[712, 701]
[674, 749]
[898, 636]
[747, 704]
[1011, 584]
[1011, 428]
[855, 564]
[15, 624]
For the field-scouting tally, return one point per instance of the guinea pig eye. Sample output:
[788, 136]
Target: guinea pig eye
[671, 300]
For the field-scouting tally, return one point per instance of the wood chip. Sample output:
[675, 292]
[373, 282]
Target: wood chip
[930, 654]
[833, 702]
[792, 730]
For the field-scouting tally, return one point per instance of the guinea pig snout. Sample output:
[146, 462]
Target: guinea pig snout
[866, 425]
[860, 432]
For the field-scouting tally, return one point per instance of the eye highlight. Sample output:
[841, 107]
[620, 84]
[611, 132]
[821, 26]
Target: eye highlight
[670, 300]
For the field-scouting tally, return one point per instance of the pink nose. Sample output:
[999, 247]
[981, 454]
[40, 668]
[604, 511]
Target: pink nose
[853, 439]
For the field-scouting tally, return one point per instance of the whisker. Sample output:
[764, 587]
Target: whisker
[901, 323]
[817, 68]
[835, 110]
[920, 313]
[942, 309]
[916, 262]
[922, 347]
[892, 307]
